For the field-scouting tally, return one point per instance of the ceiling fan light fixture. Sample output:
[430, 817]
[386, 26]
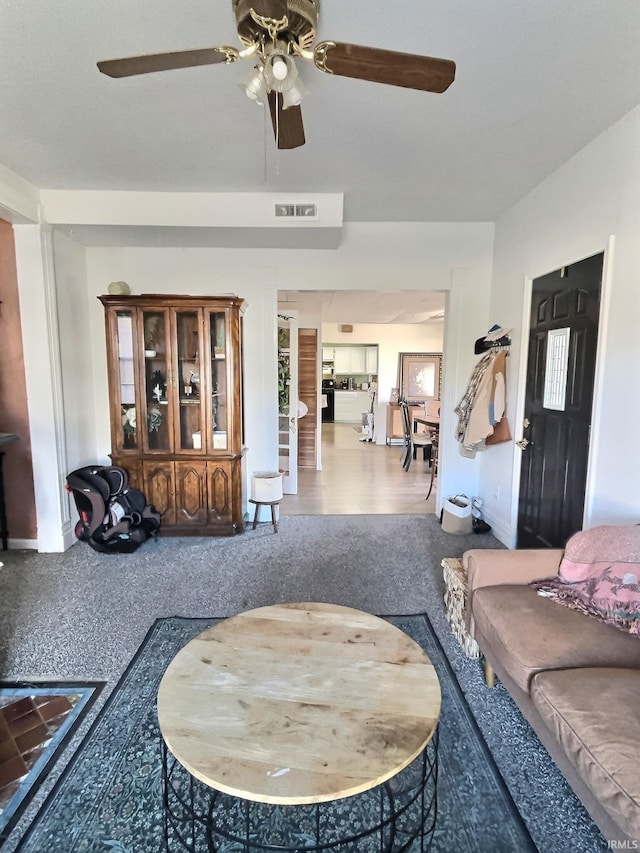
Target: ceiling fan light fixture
[280, 72]
[292, 97]
[279, 68]
[255, 87]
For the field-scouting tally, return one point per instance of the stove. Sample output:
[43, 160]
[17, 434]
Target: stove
[328, 391]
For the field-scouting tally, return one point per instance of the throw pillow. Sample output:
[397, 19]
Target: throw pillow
[600, 575]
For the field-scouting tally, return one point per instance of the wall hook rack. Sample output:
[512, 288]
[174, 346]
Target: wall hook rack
[496, 338]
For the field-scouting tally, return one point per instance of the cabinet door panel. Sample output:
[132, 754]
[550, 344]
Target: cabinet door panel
[133, 467]
[159, 488]
[358, 360]
[220, 408]
[154, 408]
[191, 492]
[125, 434]
[342, 360]
[220, 494]
[190, 381]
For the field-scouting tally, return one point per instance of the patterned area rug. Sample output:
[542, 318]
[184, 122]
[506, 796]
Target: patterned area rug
[109, 798]
[36, 721]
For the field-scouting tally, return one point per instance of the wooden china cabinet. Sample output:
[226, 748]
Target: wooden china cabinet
[175, 392]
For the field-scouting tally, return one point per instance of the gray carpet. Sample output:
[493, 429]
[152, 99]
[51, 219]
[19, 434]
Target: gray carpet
[83, 615]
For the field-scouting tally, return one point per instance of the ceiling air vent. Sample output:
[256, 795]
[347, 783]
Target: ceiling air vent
[291, 211]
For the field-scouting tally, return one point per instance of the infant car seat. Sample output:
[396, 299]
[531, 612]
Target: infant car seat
[113, 518]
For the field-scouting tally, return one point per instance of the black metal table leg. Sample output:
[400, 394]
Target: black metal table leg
[197, 818]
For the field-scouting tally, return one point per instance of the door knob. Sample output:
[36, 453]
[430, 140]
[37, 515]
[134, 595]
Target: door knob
[523, 443]
[526, 423]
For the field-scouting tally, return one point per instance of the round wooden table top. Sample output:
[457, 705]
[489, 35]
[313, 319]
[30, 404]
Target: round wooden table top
[298, 703]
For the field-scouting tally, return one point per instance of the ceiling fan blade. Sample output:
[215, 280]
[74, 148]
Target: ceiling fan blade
[385, 66]
[287, 124]
[149, 63]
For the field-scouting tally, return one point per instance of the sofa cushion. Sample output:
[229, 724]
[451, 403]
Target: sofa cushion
[593, 714]
[527, 633]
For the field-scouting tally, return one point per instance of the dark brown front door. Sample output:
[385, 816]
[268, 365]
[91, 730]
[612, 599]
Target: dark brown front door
[565, 306]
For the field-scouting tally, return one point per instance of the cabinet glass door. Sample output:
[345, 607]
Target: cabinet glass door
[188, 381]
[129, 435]
[219, 391]
[157, 435]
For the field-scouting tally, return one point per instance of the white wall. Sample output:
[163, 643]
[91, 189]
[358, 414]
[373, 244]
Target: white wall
[75, 344]
[570, 216]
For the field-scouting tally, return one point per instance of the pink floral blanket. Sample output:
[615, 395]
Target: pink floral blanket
[600, 575]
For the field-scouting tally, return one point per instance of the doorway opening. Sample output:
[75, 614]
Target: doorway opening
[350, 475]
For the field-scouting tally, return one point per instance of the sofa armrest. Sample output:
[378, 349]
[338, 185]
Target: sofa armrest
[490, 567]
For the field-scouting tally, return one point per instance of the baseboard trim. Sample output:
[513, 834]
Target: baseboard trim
[22, 545]
[501, 531]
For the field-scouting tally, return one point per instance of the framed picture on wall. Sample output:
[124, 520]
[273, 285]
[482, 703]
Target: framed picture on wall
[419, 376]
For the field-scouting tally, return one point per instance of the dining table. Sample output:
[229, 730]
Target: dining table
[431, 422]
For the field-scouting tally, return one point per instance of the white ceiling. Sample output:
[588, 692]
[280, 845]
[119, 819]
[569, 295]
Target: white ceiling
[536, 81]
[369, 306]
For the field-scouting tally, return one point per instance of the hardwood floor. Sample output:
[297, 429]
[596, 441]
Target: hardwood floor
[360, 477]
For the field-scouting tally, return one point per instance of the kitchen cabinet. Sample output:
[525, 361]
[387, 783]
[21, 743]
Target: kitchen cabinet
[350, 360]
[350, 405]
[342, 360]
[175, 398]
[371, 360]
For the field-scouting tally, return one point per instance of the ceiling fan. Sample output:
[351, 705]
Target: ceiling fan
[274, 34]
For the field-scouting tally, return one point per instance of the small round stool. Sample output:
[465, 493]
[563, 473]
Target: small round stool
[272, 504]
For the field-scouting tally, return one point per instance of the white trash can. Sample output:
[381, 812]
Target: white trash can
[456, 515]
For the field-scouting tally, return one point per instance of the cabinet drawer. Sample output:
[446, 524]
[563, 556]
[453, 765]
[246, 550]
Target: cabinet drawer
[349, 406]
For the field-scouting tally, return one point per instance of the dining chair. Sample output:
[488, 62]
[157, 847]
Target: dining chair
[434, 460]
[412, 440]
[432, 409]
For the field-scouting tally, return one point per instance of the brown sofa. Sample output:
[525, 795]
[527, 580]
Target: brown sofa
[575, 678]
